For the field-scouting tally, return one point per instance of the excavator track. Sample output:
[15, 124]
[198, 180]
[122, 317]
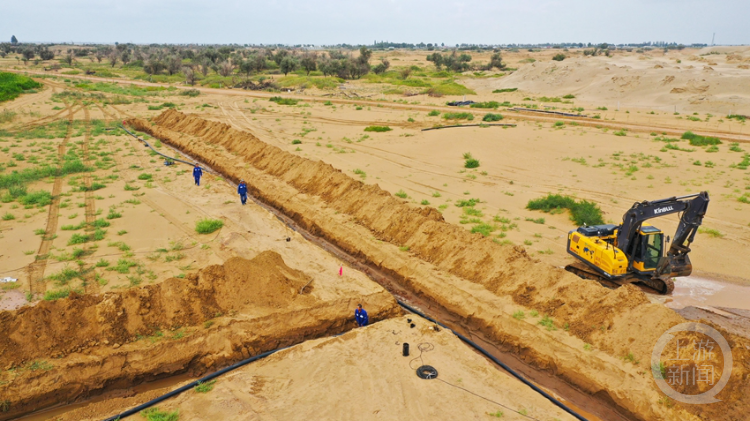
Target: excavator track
[659, 286]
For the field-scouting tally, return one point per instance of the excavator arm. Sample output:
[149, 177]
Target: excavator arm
[676, 262]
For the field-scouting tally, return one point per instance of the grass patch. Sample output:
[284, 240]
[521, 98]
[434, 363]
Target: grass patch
[154, 414]
[500, 91]
[458, 116]
[378, 129]
[207, 225]
[698, 140]
[581, 212]
[492, 117]
[402, 194]
[433, 113]
[284, 101]
[487, 104]
[484, 229]
[547, 322]
[711, 232]
[12, 85]
[205, 387]
[57, 294]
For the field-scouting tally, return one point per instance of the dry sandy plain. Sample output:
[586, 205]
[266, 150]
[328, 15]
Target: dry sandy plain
[336, 184]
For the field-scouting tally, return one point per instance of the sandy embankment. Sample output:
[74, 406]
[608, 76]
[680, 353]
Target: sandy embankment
[224, 313]
[473, 278]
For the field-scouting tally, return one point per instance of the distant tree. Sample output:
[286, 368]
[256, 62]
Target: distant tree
[153, 66]
[279, 56]
[174, 65]
[28, 54]
[189, 75]
[288, 64]
[113, 56]
[205, 65]
[436, 59]
[559, 57]
[225, 68]
[259, 62]
[309, 62]
[125, 57]
[247, 66]
[99, 56]
[46, 54]
[68, 59]
[381, 67]
[13, 40]
[496, 60]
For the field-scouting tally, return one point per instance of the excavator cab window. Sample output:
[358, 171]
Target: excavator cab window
[652, 247]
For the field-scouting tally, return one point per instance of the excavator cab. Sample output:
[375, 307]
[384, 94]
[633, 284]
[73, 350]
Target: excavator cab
[649, 249]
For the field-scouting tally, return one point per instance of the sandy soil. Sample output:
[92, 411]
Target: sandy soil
[362, 374]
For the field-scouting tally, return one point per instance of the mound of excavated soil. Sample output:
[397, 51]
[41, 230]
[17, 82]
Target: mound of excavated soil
[484, 274]
[64, 349]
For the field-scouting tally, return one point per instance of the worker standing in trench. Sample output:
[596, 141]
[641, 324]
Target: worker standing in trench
[197, 173]
[361, 316]
[242, 191]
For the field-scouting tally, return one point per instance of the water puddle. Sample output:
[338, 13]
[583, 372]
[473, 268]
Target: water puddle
[702, 292]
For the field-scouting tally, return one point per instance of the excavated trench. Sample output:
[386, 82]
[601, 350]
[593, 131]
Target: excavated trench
[471, 281]
[71, 349]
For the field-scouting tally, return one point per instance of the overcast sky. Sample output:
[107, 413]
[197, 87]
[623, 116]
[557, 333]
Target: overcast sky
[364, 21]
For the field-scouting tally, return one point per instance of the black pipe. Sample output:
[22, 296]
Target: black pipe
[191, 385]
[152, 148]
[468, 125]
[498, 362]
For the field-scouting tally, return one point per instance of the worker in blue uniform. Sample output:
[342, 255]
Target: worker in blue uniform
[197, 173]
[361, 316]
[242, 191]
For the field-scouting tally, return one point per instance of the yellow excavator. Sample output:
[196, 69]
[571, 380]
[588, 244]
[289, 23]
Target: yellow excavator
[633, 251]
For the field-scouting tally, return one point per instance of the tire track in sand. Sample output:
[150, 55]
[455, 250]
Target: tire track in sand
[89, 283]
[35, 270]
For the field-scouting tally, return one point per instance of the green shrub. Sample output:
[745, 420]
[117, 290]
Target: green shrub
[492, 117]
[433, 113]
[207, 226]
[484, 229]
[296, 142]
[559, 57]
[39, 198]
[77, 239]
[154, 414]
[191, 93]
[488, 104]
[402, 194]
[465, 203]
[55, 295]
[458, 116]
[205, 387]
[581, 212]
[284, 101]
[471, 163]
[145, 176]
[698, 140]
[378, 129]
[500, 91]
[569, 96]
